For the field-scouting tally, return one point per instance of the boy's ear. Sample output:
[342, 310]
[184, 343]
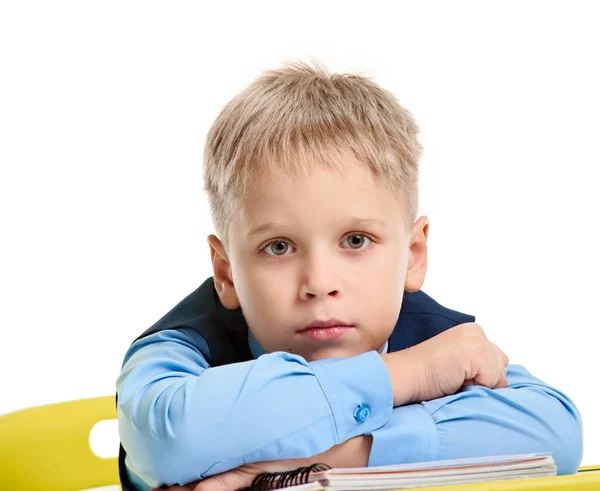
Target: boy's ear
[222, 274]
[417, 256]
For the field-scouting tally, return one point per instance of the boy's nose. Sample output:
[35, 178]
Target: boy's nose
[318, 280]
[316, 291]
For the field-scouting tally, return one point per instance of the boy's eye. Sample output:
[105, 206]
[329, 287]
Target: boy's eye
[356, 244]
[277, 248]
[280, 247]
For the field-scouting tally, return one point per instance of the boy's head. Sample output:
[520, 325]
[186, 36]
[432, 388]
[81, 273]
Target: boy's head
[312, 181]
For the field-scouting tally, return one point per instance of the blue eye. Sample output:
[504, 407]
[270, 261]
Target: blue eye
[281, 251]
[361, 240]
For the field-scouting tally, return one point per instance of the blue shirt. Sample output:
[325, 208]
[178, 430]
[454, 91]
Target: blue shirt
[181, 420]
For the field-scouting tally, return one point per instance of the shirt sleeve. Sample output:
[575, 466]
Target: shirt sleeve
[181, 420]
[527, 416]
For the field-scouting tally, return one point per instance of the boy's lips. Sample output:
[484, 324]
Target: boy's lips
[325, 333]
[325, 330]
[327, 323]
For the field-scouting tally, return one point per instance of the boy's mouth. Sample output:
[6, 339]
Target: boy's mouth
[325, 333]
[325, 330]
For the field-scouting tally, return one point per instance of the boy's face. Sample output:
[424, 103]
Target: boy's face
[316, 261]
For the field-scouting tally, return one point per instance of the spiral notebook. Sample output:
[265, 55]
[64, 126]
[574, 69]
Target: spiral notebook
[320, 477]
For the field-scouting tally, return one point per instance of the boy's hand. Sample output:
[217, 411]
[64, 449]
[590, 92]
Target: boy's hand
[462, 355]
[238, 478]
[352, 453]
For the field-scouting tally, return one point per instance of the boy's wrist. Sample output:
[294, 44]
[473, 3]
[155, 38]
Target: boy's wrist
[404, 369]
[354, 452]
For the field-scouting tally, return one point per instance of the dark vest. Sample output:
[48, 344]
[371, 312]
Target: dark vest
[226, 331]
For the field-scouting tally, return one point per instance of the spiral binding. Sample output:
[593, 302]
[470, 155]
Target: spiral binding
[268, 481]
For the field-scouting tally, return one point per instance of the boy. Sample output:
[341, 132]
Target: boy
[312, 341]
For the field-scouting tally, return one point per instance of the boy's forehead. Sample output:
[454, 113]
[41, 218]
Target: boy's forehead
[276, 201]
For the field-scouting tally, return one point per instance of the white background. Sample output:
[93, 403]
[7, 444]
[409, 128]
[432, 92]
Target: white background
[104, 107]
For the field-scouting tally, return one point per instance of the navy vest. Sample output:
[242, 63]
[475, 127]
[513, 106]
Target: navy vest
[226, 331]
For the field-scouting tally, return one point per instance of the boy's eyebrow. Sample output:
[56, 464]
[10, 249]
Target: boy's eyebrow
[354, 222]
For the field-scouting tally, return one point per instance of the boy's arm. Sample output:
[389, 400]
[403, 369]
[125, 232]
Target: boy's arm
[181, 420]
[526, 416]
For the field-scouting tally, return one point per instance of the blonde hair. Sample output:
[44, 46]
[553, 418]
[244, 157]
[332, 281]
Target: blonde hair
[300, 115]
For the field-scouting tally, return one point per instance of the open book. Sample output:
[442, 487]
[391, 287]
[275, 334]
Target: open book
[319, 477]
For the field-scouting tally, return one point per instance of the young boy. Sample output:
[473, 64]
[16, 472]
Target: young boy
[312, 341]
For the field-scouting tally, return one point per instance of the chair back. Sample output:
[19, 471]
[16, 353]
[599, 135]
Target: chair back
[47, 448]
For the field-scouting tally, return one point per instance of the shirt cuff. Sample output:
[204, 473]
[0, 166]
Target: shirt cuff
[409, 436]
[358, 390]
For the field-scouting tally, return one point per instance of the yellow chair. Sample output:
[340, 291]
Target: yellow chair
[46, 448]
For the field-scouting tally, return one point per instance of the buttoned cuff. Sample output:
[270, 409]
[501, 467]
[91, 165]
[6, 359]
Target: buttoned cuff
[409, 436]
[358, 390]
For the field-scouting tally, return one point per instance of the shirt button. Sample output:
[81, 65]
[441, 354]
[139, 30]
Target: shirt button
[361, 413]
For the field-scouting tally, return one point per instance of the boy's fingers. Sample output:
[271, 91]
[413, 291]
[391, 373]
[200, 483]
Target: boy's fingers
[228, 481]
[214, 483]
[503, 355]
[187, 487]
